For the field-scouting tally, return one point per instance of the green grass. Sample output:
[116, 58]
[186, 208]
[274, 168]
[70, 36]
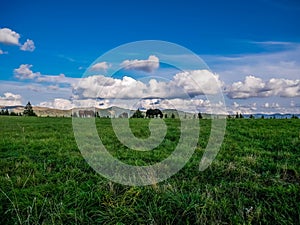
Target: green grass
[255, 178]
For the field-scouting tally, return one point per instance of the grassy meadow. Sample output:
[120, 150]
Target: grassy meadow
[255, 178]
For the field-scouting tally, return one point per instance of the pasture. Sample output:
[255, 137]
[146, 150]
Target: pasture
[255, 178]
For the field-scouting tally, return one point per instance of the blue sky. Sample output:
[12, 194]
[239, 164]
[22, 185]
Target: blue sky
[252, 46]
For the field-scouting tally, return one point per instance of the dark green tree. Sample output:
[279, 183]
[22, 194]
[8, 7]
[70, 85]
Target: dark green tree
[13, 114]
[28, 111]
[237, 115]
[138, 114]
[200, 116]
[173, 116]
[6, 113]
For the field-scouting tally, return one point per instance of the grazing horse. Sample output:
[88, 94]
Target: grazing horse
[150, 113]
[86, 113]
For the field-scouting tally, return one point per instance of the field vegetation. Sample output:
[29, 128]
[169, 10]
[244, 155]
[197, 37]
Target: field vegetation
[255, 178]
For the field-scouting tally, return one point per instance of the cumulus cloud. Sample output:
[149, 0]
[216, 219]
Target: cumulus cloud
[107, 87]
[188, 105]
[58, 103]
[100, 66]
[25, 73]
[284, 87]
[10, 99]
[256, 87]
[8, 36]
[183, 85]
[148, 65]
[198, 82]
[28, 46]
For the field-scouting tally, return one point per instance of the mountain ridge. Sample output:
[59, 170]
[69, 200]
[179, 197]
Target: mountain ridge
[115, 111]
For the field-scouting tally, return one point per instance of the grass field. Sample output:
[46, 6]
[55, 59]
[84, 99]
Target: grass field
[255, 178]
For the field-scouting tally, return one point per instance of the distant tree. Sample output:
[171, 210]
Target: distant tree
[13, 114]
[6, 113]
[2, 112]
[28, 111]
[137, 114]
[241, 116]
[200, 116]
[251, 117]
[97, 114]
[173, 116]
[294, 117]
[262, 116]
[237, 115]
[166, 115]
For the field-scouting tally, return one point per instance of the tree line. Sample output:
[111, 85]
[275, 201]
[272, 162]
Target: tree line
[28, 111]
[151, 113]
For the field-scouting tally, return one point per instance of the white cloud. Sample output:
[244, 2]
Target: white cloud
[58, 103]
[184, 85]
[8, 36]
[100, 66]
[292, 104]
[271, 105]
[61, 78]
[148, 65]
[278, 63]
[256, 87]
[198, 82]
[10, 99]
[65, 104]
[107, 87]
[284, 87]
[28, 46]
[2, 52]
[34, 92]
[272, 43]
[24, 72]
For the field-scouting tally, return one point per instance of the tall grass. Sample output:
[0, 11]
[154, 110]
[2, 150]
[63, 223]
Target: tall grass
[254, 179]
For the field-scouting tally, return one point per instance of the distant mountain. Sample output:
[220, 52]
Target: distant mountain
[274, 115]
[11, 107]
[117, 112]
